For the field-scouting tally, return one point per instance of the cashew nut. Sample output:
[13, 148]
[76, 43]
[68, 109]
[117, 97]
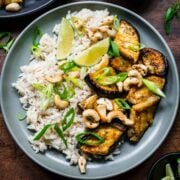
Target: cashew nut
[54, 79]
[142, 69]
[111, 32]
[61, 104]
[82, 164]
[130, 81]
[88, 103]
[104, 28]
[108, 20]
[91, 118]
[75, 74]
[135, 73]
[101, 109]
[106, 102]
[13, 7]
[120, 86]
[119, 115]
[103, 63]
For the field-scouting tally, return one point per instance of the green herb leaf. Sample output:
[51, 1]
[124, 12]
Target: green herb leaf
[75, 81]
[113, 49]
[69, 115]
[67, 66]
[41, 132]
[153, 88]
[122, 103]
[80, 139]
[116, 24]
[172, 11]
[60, 134]
[122, 76]
[21, 116]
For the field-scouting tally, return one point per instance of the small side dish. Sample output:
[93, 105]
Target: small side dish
[89, 85]
[11, 5]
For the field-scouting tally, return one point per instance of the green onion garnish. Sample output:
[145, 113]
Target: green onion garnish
[136, 48]
[67, 66]
[153, 87]
[37, 34]
[21, 116]
[75, 81]
[122, 103]
[80, 139]
[113, 49]
[6, 41]
[60, 134]
[108, 80]
[68, 119]
[116, 24]
[41, 132]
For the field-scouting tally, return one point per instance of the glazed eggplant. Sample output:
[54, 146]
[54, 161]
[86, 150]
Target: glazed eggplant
[110, 91]
[154, 60]
[121, 64]
[128, 41]
[111, 133]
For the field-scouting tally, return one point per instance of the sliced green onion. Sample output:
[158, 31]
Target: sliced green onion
[113, 49]
[153, 88]
[35, 50]
[75, 81]
[116, 24]
[21, 116]
[60, 134]
[136, 48]
[38, 86]
[42, 132]
[122, 103]
[169, 171]
[80, 139]
[37, 34]
[8, 45]
[69, 115]
[67, 66]
[108, 80]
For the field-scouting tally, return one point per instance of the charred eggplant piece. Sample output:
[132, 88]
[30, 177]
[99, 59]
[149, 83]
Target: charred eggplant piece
[127, 39]
[111, 133]
[155, 61]
[105, 91]
[120, 64]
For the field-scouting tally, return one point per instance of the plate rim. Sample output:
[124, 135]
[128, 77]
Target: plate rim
[27, 12]
[176, 77]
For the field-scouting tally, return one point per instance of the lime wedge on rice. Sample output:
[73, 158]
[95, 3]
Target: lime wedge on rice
[93, 54]
[65, 39]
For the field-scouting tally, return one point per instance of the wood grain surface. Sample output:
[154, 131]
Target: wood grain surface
[14, 164]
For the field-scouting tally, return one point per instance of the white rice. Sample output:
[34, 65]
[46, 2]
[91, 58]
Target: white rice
[47, 65]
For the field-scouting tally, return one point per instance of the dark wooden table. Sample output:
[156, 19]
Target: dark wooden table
[14, 164]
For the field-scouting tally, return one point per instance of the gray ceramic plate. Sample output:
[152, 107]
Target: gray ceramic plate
[131, 155]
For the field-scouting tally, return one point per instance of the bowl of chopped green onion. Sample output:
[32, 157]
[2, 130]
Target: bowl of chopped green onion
[166, 167]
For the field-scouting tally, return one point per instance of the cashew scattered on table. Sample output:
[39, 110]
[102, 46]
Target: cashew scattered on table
[142, 69]
[13, 7]
[119, 115]
[61, 104]
[91, 118]
[82, 164]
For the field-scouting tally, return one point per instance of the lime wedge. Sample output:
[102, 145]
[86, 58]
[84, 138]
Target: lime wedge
[65, 39]
[93, 54]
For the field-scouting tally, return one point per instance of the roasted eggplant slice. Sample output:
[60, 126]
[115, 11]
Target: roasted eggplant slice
[121, 64]
[140, 95]
[111, 135]
[127, 39]
[110, 91]
[155, 61]
[142, 120]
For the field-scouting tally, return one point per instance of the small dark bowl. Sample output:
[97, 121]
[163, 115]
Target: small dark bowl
[157, 171]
